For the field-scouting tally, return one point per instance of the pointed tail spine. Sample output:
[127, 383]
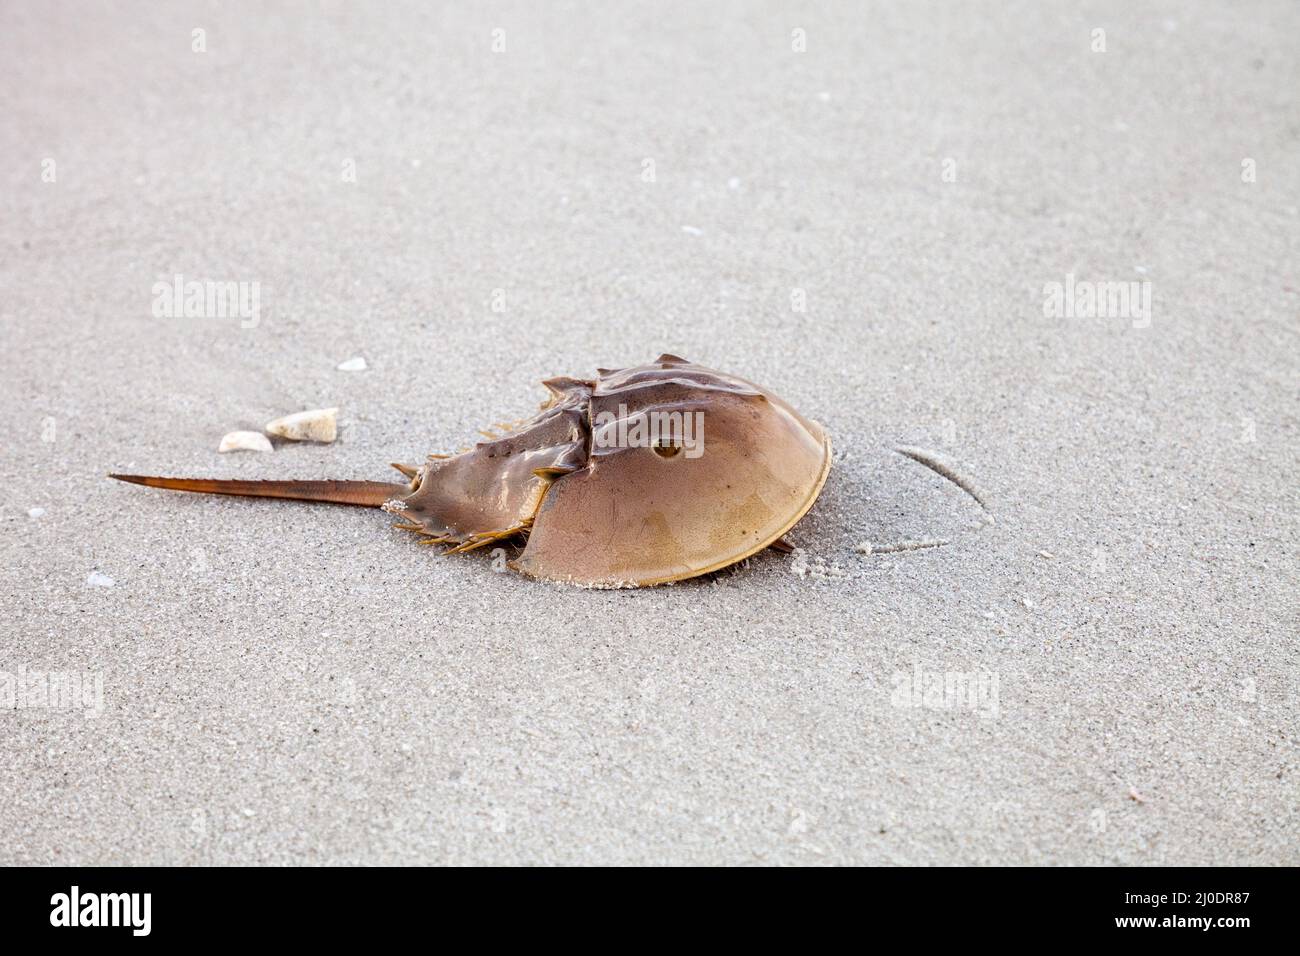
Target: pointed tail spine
[365, 494]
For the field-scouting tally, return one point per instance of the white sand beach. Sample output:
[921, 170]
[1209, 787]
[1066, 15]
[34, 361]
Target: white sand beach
[862, 206]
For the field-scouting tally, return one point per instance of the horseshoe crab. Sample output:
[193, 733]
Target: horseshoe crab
[637, 477]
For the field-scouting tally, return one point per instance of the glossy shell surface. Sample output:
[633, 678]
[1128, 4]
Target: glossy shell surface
[639, 476]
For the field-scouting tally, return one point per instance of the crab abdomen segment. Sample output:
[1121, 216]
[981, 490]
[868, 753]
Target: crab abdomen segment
[493, 490]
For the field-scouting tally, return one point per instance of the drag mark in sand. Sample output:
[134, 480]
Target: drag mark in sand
[902, 546]
[943, 470]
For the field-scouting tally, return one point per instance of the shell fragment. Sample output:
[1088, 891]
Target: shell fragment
[244, 441]
[320, 424]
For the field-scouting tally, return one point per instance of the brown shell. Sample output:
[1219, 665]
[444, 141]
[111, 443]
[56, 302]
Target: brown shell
[602, 510]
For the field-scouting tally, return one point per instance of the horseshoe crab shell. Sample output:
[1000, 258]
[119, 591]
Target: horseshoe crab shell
[642, 514]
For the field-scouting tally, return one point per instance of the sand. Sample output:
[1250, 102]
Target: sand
[1099, 666]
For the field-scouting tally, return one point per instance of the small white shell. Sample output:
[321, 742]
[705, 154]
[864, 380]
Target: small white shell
[244, 441]
[357, 364]
[319, 424]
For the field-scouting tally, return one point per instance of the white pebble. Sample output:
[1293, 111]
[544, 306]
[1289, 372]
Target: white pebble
[244, 441]
[97, 580]
[693, 230]
[319, 424]
[357, 364]
[35, 512]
